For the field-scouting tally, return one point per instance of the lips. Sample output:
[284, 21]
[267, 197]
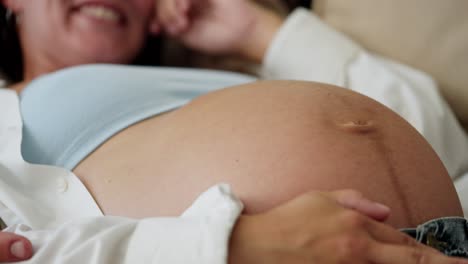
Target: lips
[102, 11]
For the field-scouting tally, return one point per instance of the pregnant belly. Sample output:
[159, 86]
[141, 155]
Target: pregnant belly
[271, 141]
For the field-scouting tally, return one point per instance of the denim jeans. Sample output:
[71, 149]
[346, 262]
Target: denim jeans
[449, 235]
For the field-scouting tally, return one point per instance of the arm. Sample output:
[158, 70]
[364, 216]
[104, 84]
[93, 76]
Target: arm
[313, 226]
[199, 236]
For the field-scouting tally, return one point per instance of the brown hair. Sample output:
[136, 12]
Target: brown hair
[11, 62]
[295, 3]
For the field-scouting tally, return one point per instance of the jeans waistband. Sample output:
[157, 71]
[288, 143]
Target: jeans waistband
[449, 235]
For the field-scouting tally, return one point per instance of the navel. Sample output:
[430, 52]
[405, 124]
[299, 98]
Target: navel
[358, 126]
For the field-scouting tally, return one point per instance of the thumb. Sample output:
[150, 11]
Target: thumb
[355, 200]
[14, 248]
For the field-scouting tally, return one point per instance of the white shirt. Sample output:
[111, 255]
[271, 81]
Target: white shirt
[51, 206]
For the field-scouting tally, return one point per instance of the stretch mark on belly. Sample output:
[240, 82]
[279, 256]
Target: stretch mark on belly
[370, 129]
[388, 156]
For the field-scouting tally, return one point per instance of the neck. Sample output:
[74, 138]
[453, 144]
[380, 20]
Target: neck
[18, 87]
[32, 71]
[36, 62]
[35, 67]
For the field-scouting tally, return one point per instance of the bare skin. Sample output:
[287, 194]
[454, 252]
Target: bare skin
[272, 141]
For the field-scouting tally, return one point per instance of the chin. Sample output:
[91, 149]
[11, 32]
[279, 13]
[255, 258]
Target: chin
[104, 50]
[113, 58]
[106, 56]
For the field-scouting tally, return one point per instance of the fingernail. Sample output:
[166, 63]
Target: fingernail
[382, 207]
[18, 249]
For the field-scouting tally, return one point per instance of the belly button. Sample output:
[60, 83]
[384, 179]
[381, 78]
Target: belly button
[358, 126]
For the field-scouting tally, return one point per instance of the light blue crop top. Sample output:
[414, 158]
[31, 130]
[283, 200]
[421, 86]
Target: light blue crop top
[68, 114]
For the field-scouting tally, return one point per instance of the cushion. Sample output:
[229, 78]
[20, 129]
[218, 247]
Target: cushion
[430, 35]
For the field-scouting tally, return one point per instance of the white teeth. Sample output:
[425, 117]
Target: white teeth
[101, 12]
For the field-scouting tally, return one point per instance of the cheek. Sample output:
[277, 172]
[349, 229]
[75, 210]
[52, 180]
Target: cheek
[145, 7]
[39, 28]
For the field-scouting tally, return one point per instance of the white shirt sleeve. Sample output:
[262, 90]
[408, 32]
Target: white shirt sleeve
[305, 48]
[200, 235]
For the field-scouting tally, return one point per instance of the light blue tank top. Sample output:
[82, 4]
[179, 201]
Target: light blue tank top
[68, 114]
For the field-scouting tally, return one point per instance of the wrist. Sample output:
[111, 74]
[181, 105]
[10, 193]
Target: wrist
[253, 240]
[261, 34]
[239, 236]
[245, 243]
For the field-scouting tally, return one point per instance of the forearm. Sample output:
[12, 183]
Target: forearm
[200, 235]
[261, 34]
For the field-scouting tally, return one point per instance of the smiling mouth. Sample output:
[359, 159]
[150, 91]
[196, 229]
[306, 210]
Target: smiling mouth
[101, 12]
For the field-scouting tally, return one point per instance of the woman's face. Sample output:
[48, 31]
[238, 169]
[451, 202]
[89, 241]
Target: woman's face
[73, 32]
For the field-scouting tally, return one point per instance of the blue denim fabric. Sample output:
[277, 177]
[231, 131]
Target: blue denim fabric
[449, 235]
